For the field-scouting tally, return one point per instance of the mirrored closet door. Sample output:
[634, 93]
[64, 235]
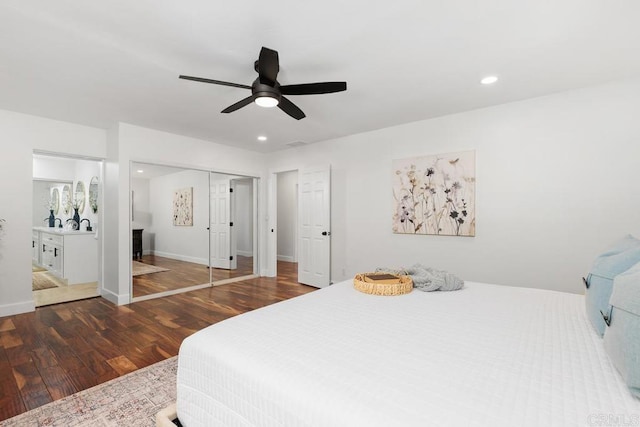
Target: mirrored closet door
[181, 229]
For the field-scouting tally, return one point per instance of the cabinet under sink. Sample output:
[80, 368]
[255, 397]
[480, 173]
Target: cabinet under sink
[70, 255]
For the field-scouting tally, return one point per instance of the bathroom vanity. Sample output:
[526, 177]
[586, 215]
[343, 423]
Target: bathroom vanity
[69, 254]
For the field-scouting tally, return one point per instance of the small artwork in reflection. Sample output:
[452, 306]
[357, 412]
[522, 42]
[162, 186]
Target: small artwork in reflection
[435, 194]
[183, 207]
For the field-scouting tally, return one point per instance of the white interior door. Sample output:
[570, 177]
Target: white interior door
[220, 223]
[314, 235]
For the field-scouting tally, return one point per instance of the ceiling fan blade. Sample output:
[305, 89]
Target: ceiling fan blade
[290, 108]
[215, 82]
[268, 66]
[313, 88]
[238, 105]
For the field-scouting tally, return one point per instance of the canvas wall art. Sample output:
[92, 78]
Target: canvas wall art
[435, 194]
[183, 207]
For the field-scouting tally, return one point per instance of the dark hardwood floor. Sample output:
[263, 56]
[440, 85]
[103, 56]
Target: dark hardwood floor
[61, 349]
[183, 274]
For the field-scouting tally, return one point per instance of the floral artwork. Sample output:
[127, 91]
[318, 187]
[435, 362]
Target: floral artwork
[435, 195]
[183, 206]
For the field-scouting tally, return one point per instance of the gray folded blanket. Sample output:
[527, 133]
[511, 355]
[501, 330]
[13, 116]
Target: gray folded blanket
[428, 279]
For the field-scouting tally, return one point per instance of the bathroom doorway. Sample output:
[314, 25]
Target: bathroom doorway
[65, 242]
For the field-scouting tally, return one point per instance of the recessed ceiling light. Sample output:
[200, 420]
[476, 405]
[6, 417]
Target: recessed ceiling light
[139, 171]
[489, 80]
[262, 138]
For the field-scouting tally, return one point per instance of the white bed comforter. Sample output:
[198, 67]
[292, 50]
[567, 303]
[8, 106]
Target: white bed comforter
[486, 355]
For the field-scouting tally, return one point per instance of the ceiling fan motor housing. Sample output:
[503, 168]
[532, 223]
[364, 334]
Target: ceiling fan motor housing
[260, 89]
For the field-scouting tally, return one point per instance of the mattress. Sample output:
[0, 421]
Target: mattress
[485, 355]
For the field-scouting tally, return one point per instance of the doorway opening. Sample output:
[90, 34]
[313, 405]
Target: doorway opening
[287, 224]
[190, 229]
[312, 248]
[67, 201]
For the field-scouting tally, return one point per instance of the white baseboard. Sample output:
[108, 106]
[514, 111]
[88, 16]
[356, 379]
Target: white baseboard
[17, 308]
[244, 253]
[114, 298]
[179, 257]
[286, 258]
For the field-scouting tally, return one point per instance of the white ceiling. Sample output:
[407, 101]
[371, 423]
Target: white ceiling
[98, 63]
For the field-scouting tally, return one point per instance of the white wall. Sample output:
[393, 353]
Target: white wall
[53, 168]
[556, 183]
[287, 215]
[185, 243]
[20, 135]
[243, 219]
[117, 267]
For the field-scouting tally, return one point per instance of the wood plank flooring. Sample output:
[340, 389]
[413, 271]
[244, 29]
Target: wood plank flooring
[183, 274]
[62, 349]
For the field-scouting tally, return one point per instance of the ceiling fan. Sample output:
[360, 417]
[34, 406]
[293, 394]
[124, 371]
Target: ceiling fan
[267, 92]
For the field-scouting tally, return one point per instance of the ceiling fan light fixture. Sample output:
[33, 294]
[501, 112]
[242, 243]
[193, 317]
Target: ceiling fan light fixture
[266, 101]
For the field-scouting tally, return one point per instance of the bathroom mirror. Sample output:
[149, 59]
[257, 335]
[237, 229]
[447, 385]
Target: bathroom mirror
[79, 196]
[93, 194]
[66, 199]
[55, 201]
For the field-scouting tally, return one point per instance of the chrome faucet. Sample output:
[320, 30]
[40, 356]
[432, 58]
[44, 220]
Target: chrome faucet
[57, 219]
[88, 224]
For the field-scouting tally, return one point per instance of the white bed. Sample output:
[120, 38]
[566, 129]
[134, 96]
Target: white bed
[484, 355]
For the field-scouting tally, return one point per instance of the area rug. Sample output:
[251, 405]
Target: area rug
[132, 400]
[45, 280]
[139, 268]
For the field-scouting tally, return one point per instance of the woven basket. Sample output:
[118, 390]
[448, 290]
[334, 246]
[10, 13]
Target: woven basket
[404, 287]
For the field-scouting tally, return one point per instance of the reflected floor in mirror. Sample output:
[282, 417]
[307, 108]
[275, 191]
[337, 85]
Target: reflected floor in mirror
[182, 274]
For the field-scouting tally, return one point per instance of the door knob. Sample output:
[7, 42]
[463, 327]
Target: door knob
[326, 233]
